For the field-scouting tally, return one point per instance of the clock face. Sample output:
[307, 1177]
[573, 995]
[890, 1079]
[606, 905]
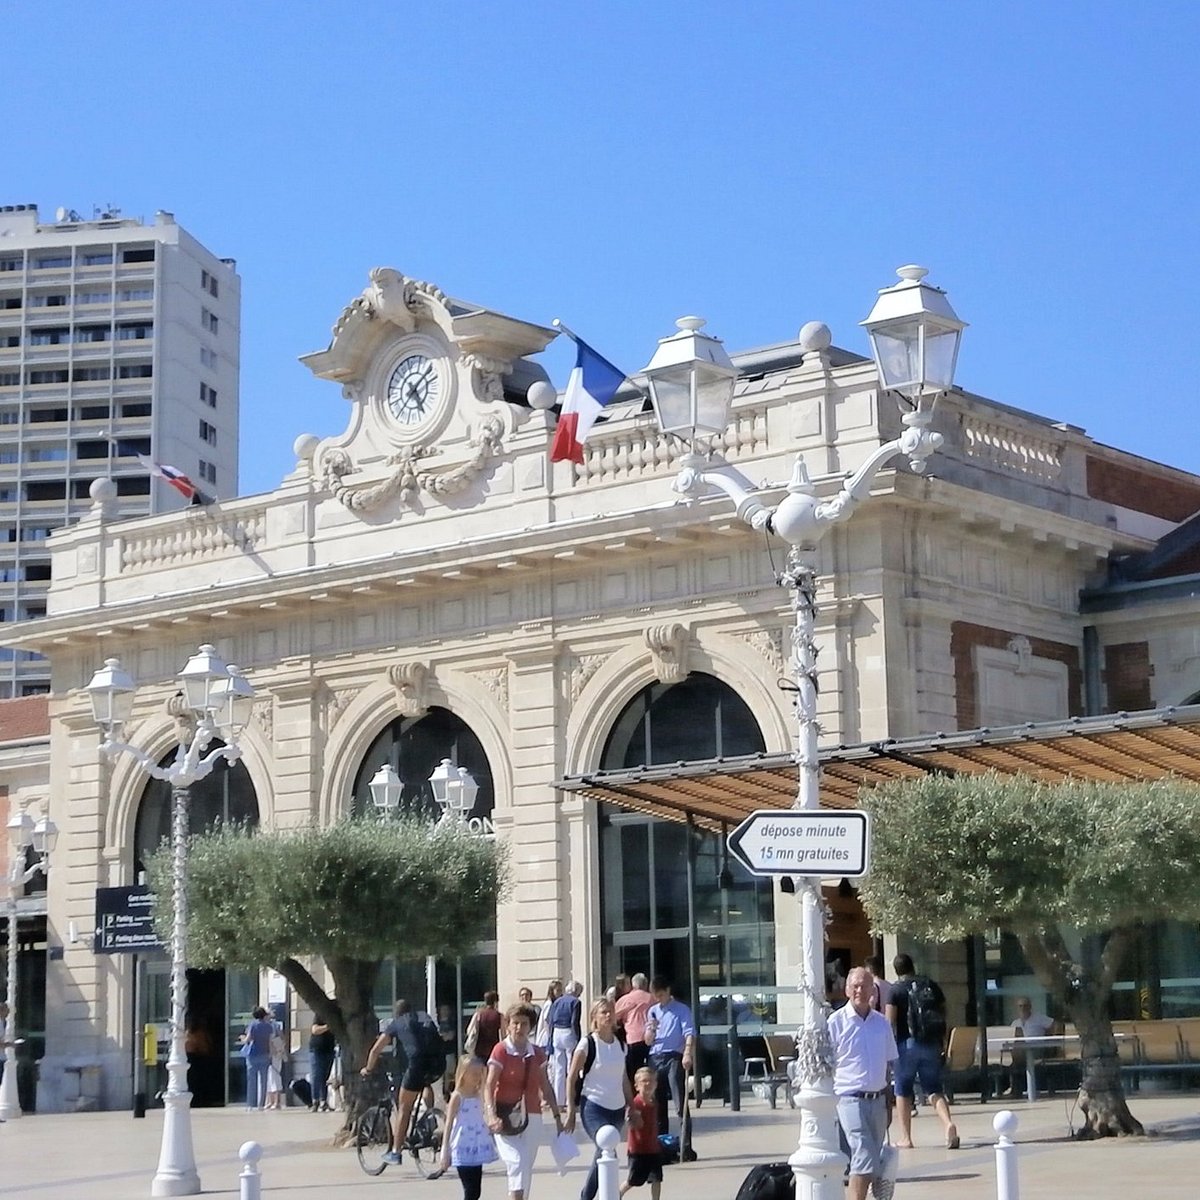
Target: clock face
[412, 390]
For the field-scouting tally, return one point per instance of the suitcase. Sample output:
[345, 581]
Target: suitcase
[302, 1090]
[769, 1181]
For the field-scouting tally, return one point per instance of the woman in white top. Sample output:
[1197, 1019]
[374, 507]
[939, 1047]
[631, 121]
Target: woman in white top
[598, 1090]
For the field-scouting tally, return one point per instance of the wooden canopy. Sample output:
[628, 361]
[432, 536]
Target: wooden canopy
[717, 793]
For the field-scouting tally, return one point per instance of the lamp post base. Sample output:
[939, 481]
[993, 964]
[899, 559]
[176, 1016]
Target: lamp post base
[818, 1162]
[10, 1101]
[176, 1175]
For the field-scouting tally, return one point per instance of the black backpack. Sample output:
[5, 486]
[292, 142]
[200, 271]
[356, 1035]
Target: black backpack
[431, 1046]
[589, 1060]
[926, 1011]
[769, 1181]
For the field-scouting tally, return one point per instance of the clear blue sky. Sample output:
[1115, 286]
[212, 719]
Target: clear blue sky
[619, 164]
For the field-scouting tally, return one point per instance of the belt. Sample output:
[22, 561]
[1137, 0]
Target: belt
[862, 1095]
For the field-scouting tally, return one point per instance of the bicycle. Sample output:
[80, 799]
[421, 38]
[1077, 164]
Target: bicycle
[422, 1147]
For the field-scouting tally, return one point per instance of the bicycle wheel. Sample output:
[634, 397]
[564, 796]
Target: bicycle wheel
[424, 1148]
[373, 1138]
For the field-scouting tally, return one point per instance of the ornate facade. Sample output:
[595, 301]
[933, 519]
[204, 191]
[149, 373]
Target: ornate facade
[432, 558]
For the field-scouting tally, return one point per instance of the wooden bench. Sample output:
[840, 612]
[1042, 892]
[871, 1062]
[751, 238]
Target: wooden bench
[781, 1053]
[1163, 1048]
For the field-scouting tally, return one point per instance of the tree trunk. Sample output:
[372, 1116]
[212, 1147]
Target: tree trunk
[1084, 995]
[352, 1018]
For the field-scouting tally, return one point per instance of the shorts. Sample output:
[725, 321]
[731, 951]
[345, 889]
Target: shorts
[421, 1074]
[644, 1168]
[864, 1126]
[919, 1060]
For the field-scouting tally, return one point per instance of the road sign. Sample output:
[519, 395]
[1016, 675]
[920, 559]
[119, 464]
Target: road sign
[792, 841]
[123, 921]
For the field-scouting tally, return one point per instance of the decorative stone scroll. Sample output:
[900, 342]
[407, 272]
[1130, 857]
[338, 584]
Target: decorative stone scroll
[1023, 649]
[495, 680]
[409, 681]
[668, 647]
[407, 478]
[768, 643]
[583, 667]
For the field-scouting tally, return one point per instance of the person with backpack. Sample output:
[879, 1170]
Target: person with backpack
[917, 1011]
[420, 1057]
[598, 1088]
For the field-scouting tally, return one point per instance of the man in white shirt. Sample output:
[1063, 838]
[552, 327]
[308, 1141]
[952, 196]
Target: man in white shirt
[1027, 1024]
[863, 1049]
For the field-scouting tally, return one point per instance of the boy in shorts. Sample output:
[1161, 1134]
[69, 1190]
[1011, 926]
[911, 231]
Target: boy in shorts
[645, 1159]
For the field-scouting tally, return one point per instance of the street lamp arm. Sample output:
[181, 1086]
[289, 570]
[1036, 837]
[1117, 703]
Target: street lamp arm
[694, 475]
[18, 877]
[188, 768]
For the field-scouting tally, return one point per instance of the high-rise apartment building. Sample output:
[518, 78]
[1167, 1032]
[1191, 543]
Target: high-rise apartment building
[117, 339]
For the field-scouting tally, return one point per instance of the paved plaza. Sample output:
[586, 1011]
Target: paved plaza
[111, 1156]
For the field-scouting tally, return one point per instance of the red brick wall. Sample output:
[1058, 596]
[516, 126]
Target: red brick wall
[1127, 673]
[964, 637]
[1142, 491]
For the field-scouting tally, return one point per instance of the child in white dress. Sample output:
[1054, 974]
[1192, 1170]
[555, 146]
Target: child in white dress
[468, 1144]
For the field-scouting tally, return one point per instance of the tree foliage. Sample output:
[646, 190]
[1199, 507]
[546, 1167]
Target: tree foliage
[958, 855]
[362, 889]
[954, 855]
[351, 894]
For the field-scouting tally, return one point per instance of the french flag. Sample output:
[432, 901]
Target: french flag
[176, 478]
[593, 384]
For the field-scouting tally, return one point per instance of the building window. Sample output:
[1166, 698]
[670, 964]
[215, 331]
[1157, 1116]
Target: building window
[208, 433]
[92, 333]
[98, 258]
[52, 262]
[13, 379]
[10, 264]
[140, 255]
[53, 300]
[136, 486]
[208, 395]
[208, 358]
[9, 416]
[91, 374]
[135, 293]
[49, 337]
[12, 302]
[208, 471]
[42, 454]
[209, 283]
[135, 371]
[135, 408]
[56, 375]
[37, 572]
[135, 333]
[93, 297]
[92, 449]
[43, 416]
[10, 340]
[208, 320]
[95, 412]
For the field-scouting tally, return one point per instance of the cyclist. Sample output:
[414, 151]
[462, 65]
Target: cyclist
[416, 1067]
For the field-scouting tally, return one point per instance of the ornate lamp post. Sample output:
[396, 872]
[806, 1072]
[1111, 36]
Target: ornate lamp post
[220, 699]
[22, 834]
[455, 790]
[915, 336]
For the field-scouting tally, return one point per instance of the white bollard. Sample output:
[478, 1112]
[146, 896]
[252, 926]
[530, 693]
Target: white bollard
[608, 1172]
[251, 1180]
[1007, 1187]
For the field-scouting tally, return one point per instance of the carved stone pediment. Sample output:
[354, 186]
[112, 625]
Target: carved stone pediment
[668, 646]
[424, 375]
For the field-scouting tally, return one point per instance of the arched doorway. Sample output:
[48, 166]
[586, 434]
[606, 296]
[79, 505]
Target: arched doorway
[413, 747]
[219, 1001]
[715, 939]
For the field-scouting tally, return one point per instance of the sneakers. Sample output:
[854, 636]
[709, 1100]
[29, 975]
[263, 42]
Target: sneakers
[952, 1141]
[883, 1185]
[392, 1158]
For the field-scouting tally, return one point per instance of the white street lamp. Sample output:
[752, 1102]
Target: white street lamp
[42, 837]
[220, 699]
[454, 789]
[386, 788]
[915, 335]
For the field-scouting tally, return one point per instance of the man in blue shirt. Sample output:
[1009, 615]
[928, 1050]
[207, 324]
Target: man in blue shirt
[563, 1022]
[671, 1036]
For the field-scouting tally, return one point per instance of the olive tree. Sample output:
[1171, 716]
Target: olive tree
[351, 894]
[959, 855]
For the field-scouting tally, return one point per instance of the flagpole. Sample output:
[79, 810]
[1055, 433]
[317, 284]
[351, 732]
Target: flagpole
[563, 329]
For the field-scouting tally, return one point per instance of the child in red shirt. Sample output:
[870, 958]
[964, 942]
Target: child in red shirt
[645, 1158]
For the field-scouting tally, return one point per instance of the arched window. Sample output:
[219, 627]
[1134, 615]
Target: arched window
[699, 718]
[414, 746]
[225, 797]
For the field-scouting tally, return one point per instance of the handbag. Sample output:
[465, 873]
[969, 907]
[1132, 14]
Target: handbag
[246, 1049]
[514, 1118]
[472, 1038]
